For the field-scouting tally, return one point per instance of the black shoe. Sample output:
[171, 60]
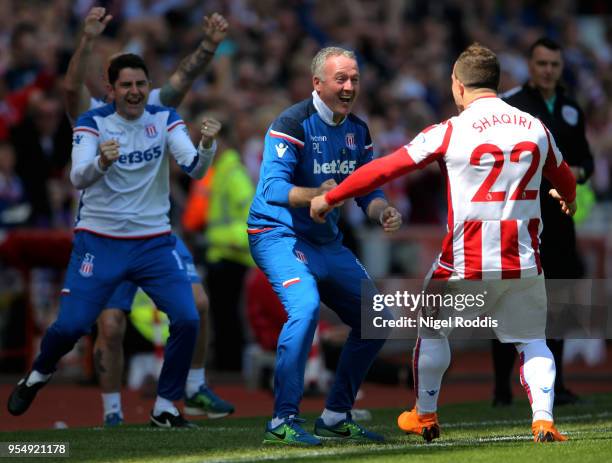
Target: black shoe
[565, 397]
[168, 420]
[23, 395]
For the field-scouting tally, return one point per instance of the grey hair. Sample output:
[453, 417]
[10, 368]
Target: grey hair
[319, 60]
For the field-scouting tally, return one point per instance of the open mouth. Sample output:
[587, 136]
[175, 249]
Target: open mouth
[346, 98]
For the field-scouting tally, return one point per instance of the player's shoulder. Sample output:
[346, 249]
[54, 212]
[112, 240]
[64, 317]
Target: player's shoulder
[441, 127]
[93, 116]
[511, 93]
[163, 115]
[522, 96]
[298, 112]
[290, 121]
[157, 109]
[359, 122]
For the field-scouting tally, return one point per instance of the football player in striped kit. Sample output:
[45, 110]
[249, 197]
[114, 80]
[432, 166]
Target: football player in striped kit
[493, 156]
[120, 161]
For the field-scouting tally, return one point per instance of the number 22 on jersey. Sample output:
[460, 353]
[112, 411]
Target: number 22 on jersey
[484, 193]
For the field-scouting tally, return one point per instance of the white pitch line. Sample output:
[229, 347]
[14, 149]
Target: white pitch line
[560, 419]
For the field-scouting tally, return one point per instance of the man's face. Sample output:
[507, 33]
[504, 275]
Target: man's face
[340, 85]
[130, 92]
[545, 68]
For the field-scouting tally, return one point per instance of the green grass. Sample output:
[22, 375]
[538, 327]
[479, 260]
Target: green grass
[471, 432]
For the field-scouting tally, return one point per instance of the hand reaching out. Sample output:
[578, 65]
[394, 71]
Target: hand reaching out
[566, 208]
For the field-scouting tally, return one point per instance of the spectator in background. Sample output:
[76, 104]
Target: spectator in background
[228, 257]
[43, 141]
[25, 65]
[543, 97]
[14, 206]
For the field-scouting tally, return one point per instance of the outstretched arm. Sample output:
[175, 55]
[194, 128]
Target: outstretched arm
[365, 179]
[179, 83]
[76, 94]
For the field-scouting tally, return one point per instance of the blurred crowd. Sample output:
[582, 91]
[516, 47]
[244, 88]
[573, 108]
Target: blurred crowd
[405, 49]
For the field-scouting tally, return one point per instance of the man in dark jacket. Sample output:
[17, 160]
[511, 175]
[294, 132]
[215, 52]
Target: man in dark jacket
[543, 97]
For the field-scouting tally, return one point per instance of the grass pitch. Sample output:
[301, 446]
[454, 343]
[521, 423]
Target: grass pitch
[471, 432]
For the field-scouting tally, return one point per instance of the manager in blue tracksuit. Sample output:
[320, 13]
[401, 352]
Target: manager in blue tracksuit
[310, 147]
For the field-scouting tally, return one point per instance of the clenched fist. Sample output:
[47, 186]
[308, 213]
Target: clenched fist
[109, 153]
[209, 130]
[215, 28]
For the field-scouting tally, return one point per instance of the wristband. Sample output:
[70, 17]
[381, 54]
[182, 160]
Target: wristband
[206, 50]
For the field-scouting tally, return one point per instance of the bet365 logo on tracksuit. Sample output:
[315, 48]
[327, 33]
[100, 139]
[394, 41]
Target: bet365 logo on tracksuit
[140, 156]
[334, 167]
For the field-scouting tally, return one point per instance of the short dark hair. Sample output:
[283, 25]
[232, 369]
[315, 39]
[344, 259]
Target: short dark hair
[127, 60]
[546, 43]
[478, 67]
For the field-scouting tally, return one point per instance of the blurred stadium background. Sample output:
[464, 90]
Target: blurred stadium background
[405, 49]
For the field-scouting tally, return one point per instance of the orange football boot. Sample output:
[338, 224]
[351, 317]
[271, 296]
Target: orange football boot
[425, 425]
[545, 431]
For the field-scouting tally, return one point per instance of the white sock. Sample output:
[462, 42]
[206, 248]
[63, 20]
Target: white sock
[112, 403]
[331, 418]
[164, 405]
[36, 377]
[204, 377]
[195, 379]
[431, 358]
[538, 377]
[276, 421]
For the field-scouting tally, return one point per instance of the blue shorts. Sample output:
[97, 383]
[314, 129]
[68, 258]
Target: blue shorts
[123, 297]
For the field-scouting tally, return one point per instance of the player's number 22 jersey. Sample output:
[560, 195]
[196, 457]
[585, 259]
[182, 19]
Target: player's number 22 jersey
[493, 156]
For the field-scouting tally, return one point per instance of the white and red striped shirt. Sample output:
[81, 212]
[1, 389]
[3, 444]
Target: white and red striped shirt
[493, 157]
